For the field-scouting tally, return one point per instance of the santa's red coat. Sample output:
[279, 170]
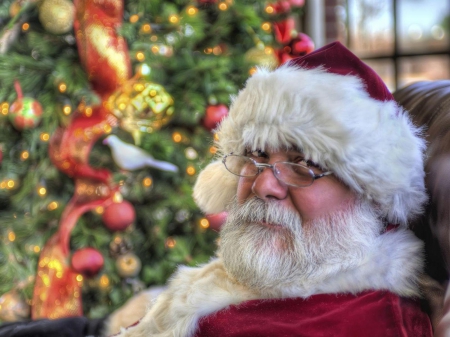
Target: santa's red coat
[370, 313]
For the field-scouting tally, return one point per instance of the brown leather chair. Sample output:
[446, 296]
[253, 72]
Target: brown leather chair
[429, 105]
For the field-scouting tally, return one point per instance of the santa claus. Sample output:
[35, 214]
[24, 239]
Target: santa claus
[320, 172]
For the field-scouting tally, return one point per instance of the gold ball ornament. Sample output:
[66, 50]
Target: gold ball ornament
[128, 265]
[141, 106]
[57, 16]
[262, 56]
[13, 308]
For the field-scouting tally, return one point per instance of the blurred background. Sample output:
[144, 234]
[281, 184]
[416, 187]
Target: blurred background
[107, 114]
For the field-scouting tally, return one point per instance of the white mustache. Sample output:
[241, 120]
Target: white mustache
[257, 210]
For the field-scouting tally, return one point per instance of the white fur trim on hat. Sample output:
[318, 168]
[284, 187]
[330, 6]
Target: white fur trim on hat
[372, 146]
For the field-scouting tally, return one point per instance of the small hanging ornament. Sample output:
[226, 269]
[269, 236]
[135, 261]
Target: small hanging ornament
[13, 308]
[130, 157]
[119, 246]
[25, 112]
[57, 16]
[128, 265]
[87, 261]
[214, 115]
[119, 216]
[141, 106]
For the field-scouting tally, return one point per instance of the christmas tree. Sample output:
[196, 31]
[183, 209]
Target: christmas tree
[106, 114]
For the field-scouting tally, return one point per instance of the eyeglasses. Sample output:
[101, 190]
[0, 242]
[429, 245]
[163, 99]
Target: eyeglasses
[289, 173]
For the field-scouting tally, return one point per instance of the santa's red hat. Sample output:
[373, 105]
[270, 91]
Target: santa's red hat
[339, 112]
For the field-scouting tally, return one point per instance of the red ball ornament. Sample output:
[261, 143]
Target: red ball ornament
[301, 45]
[87, 261]
[25, 112]
[216, 220]
[118, 216]
[214, 115]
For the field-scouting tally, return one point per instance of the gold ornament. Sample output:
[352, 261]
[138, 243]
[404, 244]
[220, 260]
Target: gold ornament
[57, 16]
[141, 106]
[262, 56]
[13, 308]
[128, 265]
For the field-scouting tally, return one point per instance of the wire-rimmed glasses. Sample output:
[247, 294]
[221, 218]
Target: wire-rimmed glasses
[291, 174]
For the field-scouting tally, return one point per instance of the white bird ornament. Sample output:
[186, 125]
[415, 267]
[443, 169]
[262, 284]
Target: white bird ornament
[130, 157]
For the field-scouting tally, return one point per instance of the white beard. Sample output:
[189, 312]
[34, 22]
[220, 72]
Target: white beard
[294, 253]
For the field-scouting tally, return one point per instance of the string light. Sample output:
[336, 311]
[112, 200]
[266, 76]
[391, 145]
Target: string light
[67, 110]
[204, 223]
[107, 128]
[104, 281]
[269, 9]
[99, 210]
[207, 50]
[25, 26]
[36, 249]
[155, 49]
[154, 38]
[88, 111]
[216, 137]
[223, 6]
[170, 242]
[213, 149]
[266, 26]
[146, 28]
[42, 191]
[268, 50]
[5, 108]
[11, 236]
[176, 136]
[10, 184]
[79, 278]
[52, 206]
[24, 155]
[140, 56]
[44, 136]
[174, 18]
[190, 170]
[134, 18]
[252, 71]
[147, 182]
[191, 10]
[62, 87]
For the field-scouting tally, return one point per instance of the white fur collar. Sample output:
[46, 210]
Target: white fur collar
[394, 265]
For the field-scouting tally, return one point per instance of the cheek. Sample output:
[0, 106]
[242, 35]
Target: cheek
[322, 200]
[244, 189]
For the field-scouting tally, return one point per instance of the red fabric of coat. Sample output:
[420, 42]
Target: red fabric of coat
[370, 313]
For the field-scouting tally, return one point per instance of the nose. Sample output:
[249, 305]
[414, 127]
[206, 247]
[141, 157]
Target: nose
[266, 186]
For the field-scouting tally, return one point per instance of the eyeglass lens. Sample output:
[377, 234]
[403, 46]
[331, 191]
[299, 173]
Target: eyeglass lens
[289, 173]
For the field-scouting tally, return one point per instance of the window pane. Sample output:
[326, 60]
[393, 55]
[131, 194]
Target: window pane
[371, 27]
[422, 68]
[385, 69]
[423, 25]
